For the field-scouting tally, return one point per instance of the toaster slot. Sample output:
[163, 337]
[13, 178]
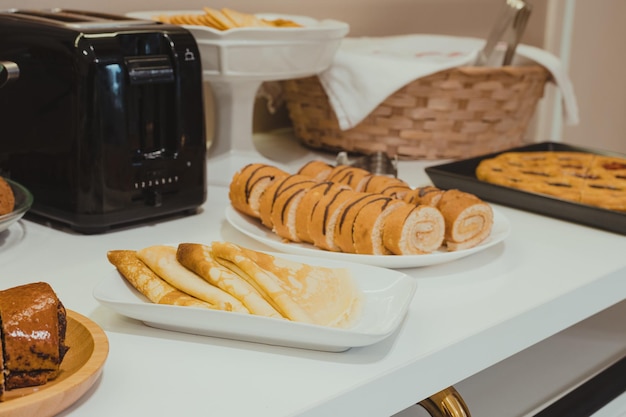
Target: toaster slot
[149, 69]
[75, 18]
[151, 86]
[53, 15]
[152, 119]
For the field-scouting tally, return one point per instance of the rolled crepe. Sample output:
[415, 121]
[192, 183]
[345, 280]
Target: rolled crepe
[249, 183]
[413, 230]
[468, 219]
[144, 280]
[199, 259]
[161, 259]
[301, 292]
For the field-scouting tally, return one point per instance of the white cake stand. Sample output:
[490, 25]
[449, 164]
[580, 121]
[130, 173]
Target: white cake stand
[236, 62]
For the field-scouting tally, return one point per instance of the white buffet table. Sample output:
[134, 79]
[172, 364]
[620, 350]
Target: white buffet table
[466, 316]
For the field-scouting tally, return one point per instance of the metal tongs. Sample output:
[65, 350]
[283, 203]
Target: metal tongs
[378, 163]
[509, 28]
[9, 72]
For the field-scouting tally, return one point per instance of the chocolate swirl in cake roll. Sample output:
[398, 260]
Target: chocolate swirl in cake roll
[273, 192]
[413, 230]
[249, 183]
[309, 202]
[398, 190]
[428, 195]
[287, 199]
[384, 185]
[468, 219]
[388, 186]
[348, 175]
[316, 169]
[367, 229]
[325, 216]
[344, 226]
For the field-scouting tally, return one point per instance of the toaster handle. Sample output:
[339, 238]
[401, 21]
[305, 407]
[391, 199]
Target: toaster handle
[9, 72]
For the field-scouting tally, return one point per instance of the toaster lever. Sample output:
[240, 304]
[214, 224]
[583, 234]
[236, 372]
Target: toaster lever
[149, 69]
[153, 198]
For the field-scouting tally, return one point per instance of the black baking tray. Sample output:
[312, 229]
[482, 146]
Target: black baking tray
[461, 175]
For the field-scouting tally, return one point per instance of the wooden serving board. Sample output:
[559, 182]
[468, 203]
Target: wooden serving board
[81, 367]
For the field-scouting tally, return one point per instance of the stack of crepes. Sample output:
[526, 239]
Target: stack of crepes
[225, 276]
[348, 209]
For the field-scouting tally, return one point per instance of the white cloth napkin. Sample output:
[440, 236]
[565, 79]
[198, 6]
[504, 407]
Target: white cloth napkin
[365, 71]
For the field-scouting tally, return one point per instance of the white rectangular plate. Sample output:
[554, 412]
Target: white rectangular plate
[388, 294]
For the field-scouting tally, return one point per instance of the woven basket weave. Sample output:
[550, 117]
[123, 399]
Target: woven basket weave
[457, 113]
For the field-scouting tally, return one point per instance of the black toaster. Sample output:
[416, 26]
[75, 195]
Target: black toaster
[101, 117]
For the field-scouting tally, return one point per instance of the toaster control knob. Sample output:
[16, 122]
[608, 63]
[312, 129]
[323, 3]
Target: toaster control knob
[153, 198]
[9, 71]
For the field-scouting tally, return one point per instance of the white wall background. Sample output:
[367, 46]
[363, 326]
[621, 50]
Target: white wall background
[597, 70]
[596, 43]
[366, 17]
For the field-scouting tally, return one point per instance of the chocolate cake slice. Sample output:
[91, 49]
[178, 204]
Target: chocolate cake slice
[33, 323]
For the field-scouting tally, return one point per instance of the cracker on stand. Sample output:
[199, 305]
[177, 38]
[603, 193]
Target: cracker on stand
[224, 19]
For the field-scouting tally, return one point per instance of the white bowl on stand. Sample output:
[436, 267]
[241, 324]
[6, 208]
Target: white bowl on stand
[237, 61]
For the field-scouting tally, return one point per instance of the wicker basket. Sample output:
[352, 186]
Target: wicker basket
[456, 113]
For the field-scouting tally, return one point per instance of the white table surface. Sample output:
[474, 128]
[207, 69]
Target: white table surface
[466, 316]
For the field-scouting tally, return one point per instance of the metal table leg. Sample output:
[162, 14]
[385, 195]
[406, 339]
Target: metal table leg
[446, 403]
